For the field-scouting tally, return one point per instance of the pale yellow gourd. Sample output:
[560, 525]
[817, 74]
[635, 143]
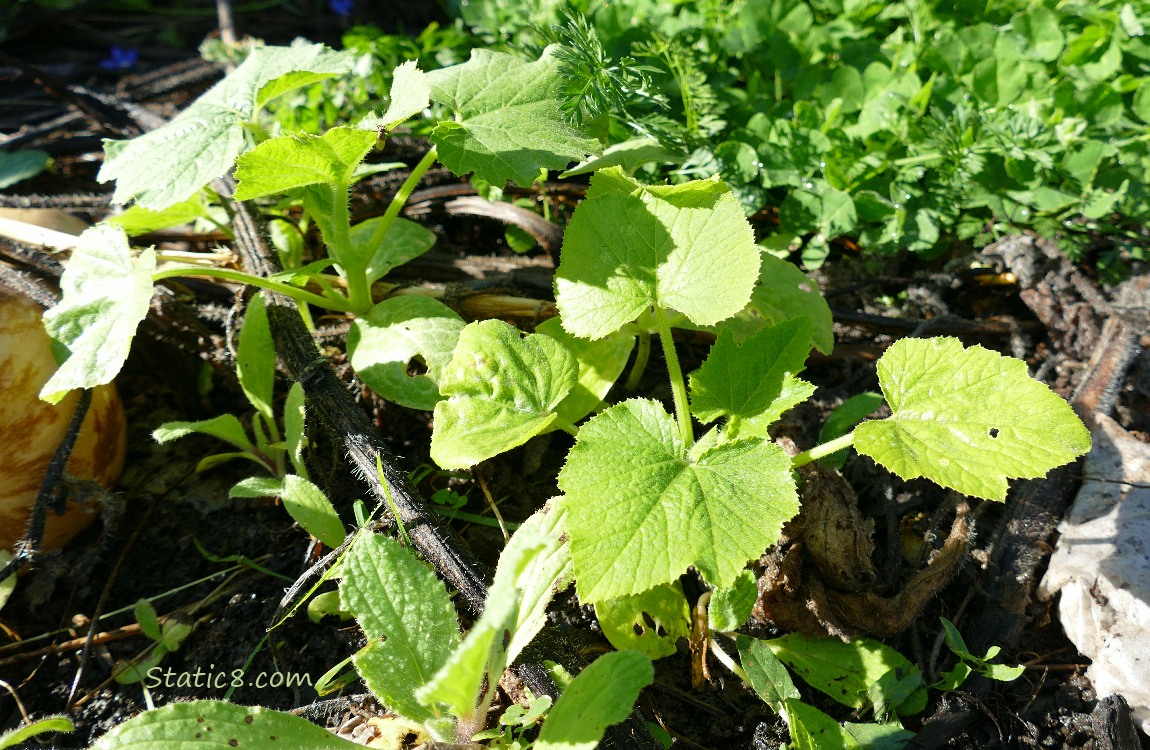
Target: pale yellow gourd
[31, 429]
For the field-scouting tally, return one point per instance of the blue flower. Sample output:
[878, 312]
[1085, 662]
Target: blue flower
[120, 58]
[342, 8]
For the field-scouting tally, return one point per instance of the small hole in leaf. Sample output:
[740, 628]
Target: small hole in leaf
[410, 739]
[994, 432]
[416, 366]
[638, 630]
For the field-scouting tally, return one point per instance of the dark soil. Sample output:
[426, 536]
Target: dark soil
[167, 526]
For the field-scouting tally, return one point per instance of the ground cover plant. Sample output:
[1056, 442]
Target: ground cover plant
[656, 496]
[907, 127]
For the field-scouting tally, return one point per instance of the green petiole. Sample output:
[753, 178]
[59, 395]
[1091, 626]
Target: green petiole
[832, 446]
[678, 386]
[337, 303]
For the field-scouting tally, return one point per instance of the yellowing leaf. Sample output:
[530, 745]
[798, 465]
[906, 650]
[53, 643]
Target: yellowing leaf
[967, 418]
[683, 247]
[502, 388]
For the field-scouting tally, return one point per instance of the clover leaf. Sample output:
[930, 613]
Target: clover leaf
[967, 418]
[502, 390]
[685, 247]
[509, 122]
[642, 507]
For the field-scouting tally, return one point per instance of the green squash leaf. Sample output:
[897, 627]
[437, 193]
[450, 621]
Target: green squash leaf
[730, 607]
[502, 390]
[548, 573]
[105, 296]
[744, 380]
[207, 724]
[793, 392]
[295, 161]
[601, 362]
[509, 122]
[967, 419]
[603, 694]
[784, 292]
[408, 619]
[410, 94]
[684, 247]
[383, 343]
[170, 163]
[650, 623]
[642, 508]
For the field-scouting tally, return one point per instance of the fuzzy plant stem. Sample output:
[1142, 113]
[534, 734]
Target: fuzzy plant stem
[678, 386]
[640, 366]
[401, 196]
[358, 291]
[240, 277]
[825, 449]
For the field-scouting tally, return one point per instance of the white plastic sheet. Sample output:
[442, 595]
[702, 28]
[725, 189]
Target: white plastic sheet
[1101, 565]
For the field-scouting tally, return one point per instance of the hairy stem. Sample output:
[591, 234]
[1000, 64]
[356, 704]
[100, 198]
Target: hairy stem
[299, 295]
[825, 449]
[355, 269]
[640, 366]
[678, 386]
[401, 196]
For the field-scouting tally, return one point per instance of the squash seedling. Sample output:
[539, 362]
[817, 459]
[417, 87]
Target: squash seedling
[507, 124]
